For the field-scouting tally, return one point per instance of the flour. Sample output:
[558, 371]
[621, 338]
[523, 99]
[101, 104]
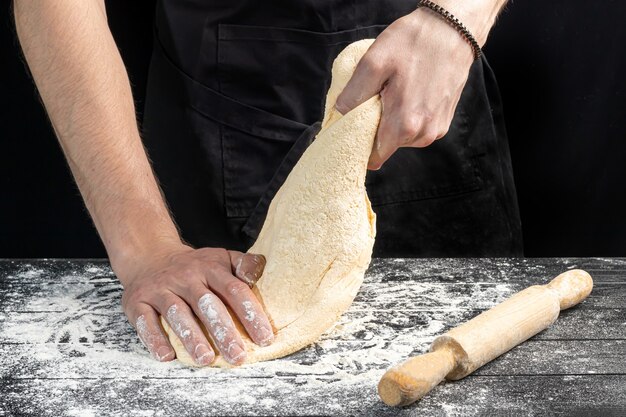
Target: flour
[31, 273]
[65, 331]
[179, 322]
[250, 314]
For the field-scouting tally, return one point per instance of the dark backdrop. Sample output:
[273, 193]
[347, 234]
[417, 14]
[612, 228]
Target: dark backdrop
[562, 70]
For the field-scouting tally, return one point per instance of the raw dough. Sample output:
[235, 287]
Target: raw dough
[319, 231]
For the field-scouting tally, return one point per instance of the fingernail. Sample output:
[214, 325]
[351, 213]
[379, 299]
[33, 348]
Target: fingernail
[266, 336]
[250, 268]
[260, 261]
[259, 265]
[204, 355]
[164, 353]
[249, 278]
[235, 354]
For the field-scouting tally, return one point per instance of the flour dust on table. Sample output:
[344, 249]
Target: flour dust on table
[67, 349]
[74, 327]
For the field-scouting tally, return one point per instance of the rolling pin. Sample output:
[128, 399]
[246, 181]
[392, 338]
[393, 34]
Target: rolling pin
[466, 348]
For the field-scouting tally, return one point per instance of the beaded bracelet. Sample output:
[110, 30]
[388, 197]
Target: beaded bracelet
[456, 23]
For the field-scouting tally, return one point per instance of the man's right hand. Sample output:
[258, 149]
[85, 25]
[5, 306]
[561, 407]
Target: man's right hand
[181, 283]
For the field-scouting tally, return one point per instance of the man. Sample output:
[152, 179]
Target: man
[234, 95]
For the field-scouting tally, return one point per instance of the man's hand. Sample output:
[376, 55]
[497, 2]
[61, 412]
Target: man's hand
[82, 81]
[419, 65]
[180, 284]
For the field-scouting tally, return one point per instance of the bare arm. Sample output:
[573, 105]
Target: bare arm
[85, 89]
[84, 86]
[477, 15]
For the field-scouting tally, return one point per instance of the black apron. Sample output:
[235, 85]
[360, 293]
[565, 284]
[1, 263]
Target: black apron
[236, 93]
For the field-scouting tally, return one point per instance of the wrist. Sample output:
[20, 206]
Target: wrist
[137, 238]
[443, 36]
[478, 16]
[128, 263]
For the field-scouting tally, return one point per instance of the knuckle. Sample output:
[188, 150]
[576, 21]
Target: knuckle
[410, 126]
[428, 141]
[235, 287]
[168, 300]
[218, 254]
[131, 299]
[196, 293]
[161, 279]
[171, 311]
[428, 137]
[213, 265]
[187, 273]
[431, 134]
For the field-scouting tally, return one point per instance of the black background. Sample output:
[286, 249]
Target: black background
[561, 66]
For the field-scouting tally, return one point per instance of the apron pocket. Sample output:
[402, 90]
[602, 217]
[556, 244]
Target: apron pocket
[250, 163]
[252, 227]
[283, 71]
[450, 166]
[283, 75]
[447, 167]
[253, 144]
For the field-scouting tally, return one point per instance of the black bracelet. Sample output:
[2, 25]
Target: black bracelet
[460, 27]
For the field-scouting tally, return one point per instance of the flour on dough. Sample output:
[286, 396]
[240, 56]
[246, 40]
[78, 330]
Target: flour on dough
[320, 228]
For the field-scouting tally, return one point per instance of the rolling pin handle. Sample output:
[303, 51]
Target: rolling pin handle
[572, 286]
[400, 386]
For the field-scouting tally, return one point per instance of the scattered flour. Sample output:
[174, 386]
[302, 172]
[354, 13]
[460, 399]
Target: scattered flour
[68, 327]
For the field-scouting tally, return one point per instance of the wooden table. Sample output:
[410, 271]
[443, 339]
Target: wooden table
[66, 348]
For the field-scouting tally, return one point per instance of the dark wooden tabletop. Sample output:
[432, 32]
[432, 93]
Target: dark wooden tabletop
[66, 348]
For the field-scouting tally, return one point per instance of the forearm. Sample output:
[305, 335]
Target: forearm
[85, 89]
[477, 15]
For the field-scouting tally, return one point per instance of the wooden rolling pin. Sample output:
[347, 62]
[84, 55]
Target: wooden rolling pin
[466, 348]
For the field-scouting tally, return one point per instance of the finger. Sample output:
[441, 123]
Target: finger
[182, 321]
[393, 130]
[221, 327]
[247, 267]
[367, 80]
[381, 152]
[151, 334]
[246, 307]
[426, 137]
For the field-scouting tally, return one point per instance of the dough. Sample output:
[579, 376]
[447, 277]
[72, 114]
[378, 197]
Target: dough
[320, 228]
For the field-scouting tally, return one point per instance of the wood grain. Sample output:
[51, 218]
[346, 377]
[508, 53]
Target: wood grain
[87, 360]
